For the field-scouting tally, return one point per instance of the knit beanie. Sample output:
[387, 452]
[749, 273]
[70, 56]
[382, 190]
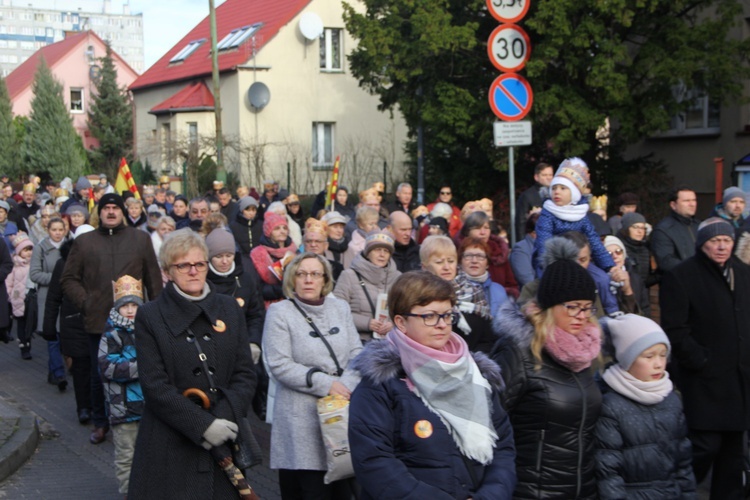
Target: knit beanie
[219, 241]
[77, 208]
[5, 205]
[272, 220]
[21, 241]
[110, 199]
[709, 228]
[82, 183]
[247, 201]
[126, 290]
[565, 280]
[614, 240]
[632, 334]
[378, 239]
[573, 173]
[731, 193]
[632, 218]
[441, 223]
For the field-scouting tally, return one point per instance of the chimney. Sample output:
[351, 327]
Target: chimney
[126, 8]
[106, 7]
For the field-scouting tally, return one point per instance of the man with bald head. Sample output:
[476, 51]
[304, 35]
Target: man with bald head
[406, 254]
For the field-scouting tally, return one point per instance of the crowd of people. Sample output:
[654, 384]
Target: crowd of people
[474, 369]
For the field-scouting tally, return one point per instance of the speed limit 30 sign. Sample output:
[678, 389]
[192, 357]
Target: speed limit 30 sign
[508, 11]
[509, 48]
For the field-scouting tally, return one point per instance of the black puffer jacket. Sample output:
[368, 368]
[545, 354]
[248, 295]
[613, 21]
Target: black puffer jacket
[553, 412]
[643, 450]
[74, 340]
[639, 258]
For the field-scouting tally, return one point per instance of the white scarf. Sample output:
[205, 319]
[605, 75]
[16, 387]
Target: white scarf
[570, 213]
[223, 275]
[646, 393]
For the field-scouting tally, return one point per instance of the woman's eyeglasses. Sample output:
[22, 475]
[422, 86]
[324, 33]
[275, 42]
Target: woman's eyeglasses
[315, 275]
[184, 267]
[574, 311]
[432, 319]
[617, 251]
[475, 256]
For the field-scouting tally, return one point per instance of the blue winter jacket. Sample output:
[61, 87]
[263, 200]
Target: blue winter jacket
[392, 461]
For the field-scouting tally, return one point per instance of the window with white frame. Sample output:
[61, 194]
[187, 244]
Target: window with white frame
[187, 50]
[330, 50]
[702, 115]
[322, 144]
[237, 37]
[193, 135]
[76, 100]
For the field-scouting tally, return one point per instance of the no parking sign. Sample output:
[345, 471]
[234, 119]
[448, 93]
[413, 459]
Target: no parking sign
[511, 97]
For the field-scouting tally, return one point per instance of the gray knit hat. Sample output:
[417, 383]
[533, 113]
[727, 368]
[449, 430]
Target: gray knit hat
[709, 228]
[247, 201]
[632, 334]
[219, 241]
[632, 218]
[82, 183]
[731, 193]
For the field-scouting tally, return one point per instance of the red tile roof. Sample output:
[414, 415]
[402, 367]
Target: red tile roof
[194, 97]
[23, 76]
[230, 15]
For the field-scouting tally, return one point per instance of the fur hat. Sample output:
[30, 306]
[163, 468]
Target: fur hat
[110, 199]
[711, 227]
[271, 220]
[378, 239]
[21, 241]
[219, 241]
[632, 334]
[126, 290]
[562, 281]
[573, 173]
[632, 218]
[732, 192]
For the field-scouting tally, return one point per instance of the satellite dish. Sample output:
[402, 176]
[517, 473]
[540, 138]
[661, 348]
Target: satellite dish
[311, 26]
[258, 95]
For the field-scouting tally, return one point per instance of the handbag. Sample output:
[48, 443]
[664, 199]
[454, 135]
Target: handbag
[246, 451]
[333, 416]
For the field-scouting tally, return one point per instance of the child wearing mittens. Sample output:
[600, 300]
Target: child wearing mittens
[566, 210]
[642, 446]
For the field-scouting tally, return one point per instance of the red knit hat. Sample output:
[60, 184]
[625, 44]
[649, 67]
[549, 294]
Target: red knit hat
[272, 220]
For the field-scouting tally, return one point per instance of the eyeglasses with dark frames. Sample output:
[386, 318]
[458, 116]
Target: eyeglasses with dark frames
[184, 267]
[574, 311]
[432, 318]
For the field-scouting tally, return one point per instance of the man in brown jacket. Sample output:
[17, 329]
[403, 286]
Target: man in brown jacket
[97, 259]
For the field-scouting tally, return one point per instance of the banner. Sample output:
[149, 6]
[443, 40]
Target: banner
[334, 185]
[125, 181]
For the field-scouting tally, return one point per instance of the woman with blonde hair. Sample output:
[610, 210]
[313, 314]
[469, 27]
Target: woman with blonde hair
[546, 351]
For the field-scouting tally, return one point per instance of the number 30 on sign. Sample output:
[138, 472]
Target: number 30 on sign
[509, 48]
[508, 11]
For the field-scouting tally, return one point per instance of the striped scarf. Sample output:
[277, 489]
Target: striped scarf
[449, 383]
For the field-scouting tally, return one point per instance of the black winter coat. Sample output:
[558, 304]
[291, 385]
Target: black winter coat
[391, 461]
[242, 230]
[244, 287]
[74, 340]
[169, 461]
[708, 326]
[553, 412]
[673, 240]
[406, 257]
[6, 266]
[639, 258]
[643, 450]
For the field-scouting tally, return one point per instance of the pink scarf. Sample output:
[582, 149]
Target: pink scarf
[575, 352]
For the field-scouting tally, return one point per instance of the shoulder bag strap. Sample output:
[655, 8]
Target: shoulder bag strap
[204, 361]
[339, 370]
[367, 294]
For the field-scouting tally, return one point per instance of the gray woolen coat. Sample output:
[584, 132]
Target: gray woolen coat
[377, 280]
[43, 260]
[290, 351]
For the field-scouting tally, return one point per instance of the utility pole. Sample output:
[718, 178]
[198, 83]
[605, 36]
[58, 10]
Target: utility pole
[221, 174]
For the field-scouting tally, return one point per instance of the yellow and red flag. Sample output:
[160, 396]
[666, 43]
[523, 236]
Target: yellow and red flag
[333, 187]
[125, 180]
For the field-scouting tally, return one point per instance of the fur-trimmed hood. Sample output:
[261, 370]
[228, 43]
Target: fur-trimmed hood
[380, 361]
[511, 326]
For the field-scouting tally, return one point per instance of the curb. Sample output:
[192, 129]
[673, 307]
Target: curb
[19, 447]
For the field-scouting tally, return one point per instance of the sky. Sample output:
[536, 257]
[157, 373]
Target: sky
[165, 22]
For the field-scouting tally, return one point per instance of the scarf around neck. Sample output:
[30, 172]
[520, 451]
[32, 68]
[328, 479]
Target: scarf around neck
[575, 352]
[449, 383]
[646, 393]
[470, 296]
[569, 213]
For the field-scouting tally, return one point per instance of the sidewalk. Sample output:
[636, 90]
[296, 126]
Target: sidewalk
[19, 436]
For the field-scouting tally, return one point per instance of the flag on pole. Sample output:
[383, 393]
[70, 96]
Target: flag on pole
[125, 180]
[333, 187]
[92, 203]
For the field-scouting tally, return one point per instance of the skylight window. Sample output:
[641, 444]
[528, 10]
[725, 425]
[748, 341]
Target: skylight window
[185, 52]
[237, 37]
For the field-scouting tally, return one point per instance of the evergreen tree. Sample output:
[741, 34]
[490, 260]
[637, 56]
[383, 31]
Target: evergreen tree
[8, 145]
[110, 120]
[51, 143]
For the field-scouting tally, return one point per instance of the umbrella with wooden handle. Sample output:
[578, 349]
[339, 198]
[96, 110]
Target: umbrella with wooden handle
[223, 454]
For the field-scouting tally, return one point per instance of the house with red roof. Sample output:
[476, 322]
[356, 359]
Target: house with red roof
[74, 62]
[288, 100]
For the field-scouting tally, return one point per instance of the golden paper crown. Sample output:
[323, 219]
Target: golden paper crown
[61, 192]
[127, 286]
[292, 198]
[368, 194]
[485, 204]
[29, 188]
[218, 184]
[598, 203]
[316, 226]
[419, 211]
[469, 208]
[378, 186]
[164, 179]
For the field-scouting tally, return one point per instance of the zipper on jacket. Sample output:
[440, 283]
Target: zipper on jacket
[580, 438]
[539, 450]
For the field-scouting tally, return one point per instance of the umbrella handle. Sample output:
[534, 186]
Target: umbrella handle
[198, 396]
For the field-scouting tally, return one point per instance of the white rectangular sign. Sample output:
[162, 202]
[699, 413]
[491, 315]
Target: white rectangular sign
[512, 133]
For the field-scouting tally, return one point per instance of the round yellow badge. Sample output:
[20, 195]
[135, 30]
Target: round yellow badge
[220, 326]
[241, 301]
[423, 429]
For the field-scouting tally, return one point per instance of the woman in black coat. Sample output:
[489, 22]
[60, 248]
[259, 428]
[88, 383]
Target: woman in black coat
[247, 227]
[74, 341]
[546, 354]
[172, 453]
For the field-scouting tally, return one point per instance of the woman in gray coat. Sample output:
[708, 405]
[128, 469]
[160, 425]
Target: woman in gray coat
[304, 371]
[371, 273]
[43, 260]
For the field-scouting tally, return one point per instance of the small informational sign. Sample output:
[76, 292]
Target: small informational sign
[512, 133]
[509, 48]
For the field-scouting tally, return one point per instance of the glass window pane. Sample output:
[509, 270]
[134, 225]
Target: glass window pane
[315, 143]
[322, 43]
[328, 143]
[336, 49]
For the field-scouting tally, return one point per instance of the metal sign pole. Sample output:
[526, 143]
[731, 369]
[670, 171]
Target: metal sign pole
[512, 195]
